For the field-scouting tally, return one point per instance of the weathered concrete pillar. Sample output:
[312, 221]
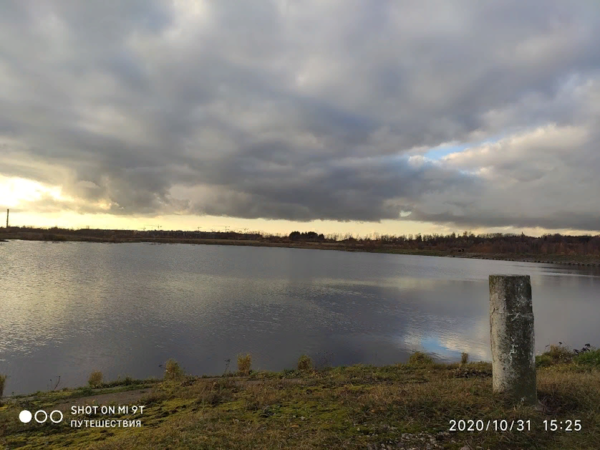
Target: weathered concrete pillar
[512, 337]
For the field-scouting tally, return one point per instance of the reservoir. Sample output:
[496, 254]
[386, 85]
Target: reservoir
[69, 308]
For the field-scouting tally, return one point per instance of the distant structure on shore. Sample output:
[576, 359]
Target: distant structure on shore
[7, 213]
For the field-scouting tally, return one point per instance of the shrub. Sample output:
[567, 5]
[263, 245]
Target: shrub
[86, 391]
[2, 382]
[173, 370]
[95, 378]
[305, 363]
[420, 358]
[589, 358]
[244, 362]
[464, 358]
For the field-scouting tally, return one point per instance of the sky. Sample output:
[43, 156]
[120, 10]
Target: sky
[339, 116]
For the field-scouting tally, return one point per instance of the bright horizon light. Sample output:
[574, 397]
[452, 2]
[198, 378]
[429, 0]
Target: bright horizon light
[19, 191]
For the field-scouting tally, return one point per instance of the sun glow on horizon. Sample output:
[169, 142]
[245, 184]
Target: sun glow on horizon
[16, 191]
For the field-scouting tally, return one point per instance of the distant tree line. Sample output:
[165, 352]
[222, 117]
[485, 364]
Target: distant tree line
[306, 236]
[555, 244]
[490, 243]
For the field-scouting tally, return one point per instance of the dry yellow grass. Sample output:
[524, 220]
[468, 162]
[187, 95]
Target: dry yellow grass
[2, 383]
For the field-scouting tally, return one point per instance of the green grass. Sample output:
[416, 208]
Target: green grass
[359, 406]
[590, 358]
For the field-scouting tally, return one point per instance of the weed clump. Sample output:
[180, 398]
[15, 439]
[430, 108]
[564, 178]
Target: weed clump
[244, 362]
[420, 358]
[560, 354]
[305, 363]
[557, 354]
[173, 370]
[2, 383]
[95, 379]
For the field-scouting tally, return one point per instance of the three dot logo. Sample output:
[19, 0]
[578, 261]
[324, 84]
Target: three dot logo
[41, 416]
[25, 416]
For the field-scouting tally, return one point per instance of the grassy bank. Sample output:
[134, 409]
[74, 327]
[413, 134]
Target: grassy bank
[350, 246]
[400, 406]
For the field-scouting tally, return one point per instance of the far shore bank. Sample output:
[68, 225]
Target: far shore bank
[348, 246]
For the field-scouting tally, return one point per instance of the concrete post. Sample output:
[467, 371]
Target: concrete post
[512, 337]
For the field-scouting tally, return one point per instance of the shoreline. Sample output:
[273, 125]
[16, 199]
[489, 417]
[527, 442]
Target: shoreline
[570, 260]
[409, 405]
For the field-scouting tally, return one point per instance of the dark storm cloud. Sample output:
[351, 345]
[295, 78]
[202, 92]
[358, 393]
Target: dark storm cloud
[306, 109]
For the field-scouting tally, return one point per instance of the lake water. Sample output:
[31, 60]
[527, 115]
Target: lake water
[67, 309]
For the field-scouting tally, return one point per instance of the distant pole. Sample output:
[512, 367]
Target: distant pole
[7, 213]
[512, 337]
